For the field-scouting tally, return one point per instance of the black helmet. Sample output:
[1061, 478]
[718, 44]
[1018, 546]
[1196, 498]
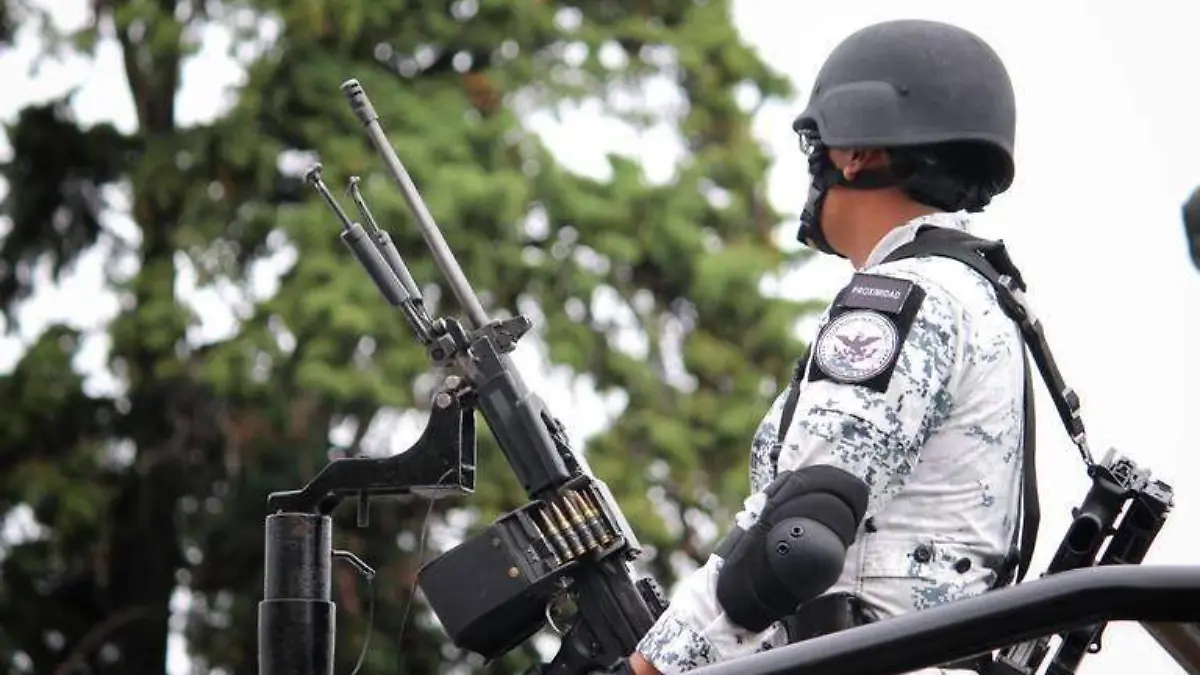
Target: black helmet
[937, 96]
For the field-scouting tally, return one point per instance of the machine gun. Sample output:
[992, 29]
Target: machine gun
[494, 591]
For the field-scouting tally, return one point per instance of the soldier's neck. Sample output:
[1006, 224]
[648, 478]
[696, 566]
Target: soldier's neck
[873, 224]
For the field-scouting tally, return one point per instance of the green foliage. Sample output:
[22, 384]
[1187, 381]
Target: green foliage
[163, 485]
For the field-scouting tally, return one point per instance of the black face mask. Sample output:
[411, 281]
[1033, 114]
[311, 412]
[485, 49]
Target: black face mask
[823, 174]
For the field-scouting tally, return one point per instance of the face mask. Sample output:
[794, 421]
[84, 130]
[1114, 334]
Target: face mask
[823, 175]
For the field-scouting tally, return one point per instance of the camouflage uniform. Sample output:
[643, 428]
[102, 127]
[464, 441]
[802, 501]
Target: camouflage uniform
[940, 451]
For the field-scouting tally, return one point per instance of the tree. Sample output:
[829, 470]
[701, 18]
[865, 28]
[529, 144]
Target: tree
[161, 485]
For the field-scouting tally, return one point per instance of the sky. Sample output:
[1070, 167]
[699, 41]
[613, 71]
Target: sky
[1107, 151]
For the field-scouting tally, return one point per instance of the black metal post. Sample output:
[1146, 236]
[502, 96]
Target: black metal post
[296, 616]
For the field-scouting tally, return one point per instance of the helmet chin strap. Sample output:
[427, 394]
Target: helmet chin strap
[823, 176]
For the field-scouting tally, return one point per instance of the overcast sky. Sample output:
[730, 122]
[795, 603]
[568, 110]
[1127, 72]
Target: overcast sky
[1107, 151]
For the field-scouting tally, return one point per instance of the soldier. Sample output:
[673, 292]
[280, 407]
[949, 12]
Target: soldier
[887, 477]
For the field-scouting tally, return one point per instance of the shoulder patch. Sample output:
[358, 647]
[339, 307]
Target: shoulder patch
[857, 346]
[868, 323]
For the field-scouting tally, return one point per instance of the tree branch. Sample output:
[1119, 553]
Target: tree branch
[96, 636]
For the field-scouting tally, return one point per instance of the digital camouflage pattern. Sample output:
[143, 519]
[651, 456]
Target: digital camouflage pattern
[940, 450]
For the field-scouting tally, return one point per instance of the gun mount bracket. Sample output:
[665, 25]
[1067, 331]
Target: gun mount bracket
[440, 463]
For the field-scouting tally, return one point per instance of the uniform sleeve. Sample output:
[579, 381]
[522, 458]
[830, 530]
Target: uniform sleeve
[875, 435]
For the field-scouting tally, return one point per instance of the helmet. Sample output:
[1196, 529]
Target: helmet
[935, 95]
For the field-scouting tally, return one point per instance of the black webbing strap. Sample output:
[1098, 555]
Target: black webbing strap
[990, 260]
[1031, 508]
[789, 409]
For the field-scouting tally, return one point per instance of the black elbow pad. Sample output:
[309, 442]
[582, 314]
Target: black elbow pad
[796, 550]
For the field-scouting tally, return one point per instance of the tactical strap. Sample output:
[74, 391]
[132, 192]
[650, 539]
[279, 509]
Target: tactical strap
[789, 409]
[991, 261]
[1019, 559]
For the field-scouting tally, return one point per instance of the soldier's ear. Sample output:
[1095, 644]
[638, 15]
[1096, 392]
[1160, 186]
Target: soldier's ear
[867, 158]
[861, 159]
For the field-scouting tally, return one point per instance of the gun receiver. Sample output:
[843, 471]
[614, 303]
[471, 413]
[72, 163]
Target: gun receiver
[571, 540]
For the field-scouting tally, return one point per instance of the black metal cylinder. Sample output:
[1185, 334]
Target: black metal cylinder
[296, 617]
[298, 558]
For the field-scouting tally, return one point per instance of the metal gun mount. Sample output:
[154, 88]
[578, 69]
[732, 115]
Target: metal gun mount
[296, 616]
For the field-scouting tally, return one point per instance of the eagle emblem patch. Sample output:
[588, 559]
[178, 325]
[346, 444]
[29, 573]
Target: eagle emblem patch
[857, 346]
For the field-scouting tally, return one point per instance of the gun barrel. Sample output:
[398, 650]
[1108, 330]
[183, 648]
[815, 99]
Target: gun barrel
[442, 254]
